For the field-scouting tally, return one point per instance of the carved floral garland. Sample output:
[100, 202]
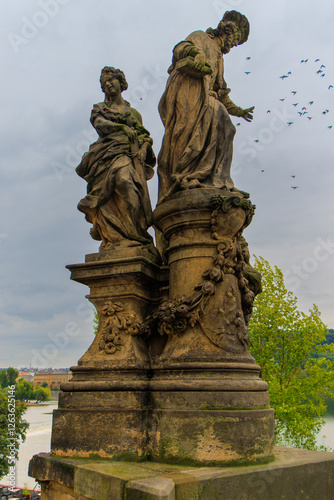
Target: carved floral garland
[172, 318]
[116, 323]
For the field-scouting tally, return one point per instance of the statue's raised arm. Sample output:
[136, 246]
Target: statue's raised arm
[195, 107]
[116, 168]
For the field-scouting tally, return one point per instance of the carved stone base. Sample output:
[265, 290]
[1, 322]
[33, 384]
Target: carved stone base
[216, 413]
[168, 376]
[210, 300]
[209, 403]
[107, 423]
[103, 409]
[124, 287]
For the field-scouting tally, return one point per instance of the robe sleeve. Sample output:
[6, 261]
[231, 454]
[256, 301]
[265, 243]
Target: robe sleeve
[233, 109]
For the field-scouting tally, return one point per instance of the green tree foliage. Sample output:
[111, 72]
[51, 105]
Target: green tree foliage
[8, 377]
[290, 347]
[3, 379]
[96, 322]
[329, 337]
[7, 435]
[41, 394]
[12, 375]
[24, 390]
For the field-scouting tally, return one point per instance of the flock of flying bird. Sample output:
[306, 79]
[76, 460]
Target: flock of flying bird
[303, 111]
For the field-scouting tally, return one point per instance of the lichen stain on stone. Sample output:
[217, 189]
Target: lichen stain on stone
[79, 453]
[209, 448]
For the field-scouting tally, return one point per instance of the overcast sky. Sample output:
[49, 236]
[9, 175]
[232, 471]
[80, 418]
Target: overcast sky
[52, 52]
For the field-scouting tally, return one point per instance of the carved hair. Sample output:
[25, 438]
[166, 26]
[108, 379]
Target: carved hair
[114, 73]
[235, 17]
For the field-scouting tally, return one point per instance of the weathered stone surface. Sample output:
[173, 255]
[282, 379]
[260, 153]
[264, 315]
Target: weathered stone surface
[115, 433]
[195, 107]
[214, 437]
[175, 389]
[168, 375]
[123, 290]
[209, 404]
[103, 409]
[293, 475]
[151, 489]
[210, 416]
[209, 300]
[116, 169]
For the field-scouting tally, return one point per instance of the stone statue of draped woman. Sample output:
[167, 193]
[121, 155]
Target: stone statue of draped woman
[116, 168]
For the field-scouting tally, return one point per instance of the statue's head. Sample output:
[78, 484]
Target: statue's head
[241, 21]
[233, 29]
[109, 73]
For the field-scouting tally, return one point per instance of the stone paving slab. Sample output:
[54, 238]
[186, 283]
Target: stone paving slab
[294, 475]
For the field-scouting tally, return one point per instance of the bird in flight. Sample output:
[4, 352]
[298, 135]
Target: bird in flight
[319, 71]
[268, 111]
[304, 60]
[256, 140]
[330, 126]
[330, 87]
[247, 72]
[322, 66]
[247, 58]
[262, 170]
[295, 104]
[283, 76]
[289, 123]
[295, 187]
[317, 60]
[294, 92]
[238, 124]
[311, 102]
[293, 176]
[309, 117]
[303, 109]
[323, 75]
[283, 99]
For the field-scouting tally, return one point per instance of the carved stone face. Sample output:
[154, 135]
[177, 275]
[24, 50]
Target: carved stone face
[111, 85]
[231, 36]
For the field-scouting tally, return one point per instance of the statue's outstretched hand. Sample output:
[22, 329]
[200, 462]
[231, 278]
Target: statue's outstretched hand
[248, 114]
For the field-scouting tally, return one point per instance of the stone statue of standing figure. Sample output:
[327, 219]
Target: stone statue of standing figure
[198, 142]
[116, 168]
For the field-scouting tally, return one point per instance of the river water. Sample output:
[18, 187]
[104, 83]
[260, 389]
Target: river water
[37, 440]
[39, 436]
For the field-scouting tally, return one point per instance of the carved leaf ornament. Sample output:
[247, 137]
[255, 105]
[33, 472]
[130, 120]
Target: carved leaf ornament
[172, 318]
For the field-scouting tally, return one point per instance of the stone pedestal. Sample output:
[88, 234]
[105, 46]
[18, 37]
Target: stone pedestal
[103, 409]
[168, 376]
[210, 405]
